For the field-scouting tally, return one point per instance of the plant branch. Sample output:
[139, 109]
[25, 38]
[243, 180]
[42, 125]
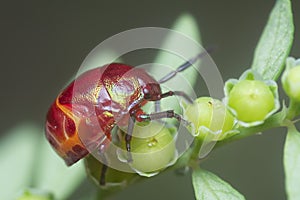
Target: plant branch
[274, 121]
[293, 110]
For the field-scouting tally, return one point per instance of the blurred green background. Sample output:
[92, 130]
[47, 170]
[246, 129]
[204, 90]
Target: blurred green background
[44, 42]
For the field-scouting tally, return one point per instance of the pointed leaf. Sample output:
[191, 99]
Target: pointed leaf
[53, 175]
[185, 25]
[17, 150]
[275, 42]
[292, 163]
[208, 186]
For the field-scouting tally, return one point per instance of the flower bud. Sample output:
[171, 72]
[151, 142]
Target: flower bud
[250, 99]
[210, 118]
[152, 148]
[291, 79]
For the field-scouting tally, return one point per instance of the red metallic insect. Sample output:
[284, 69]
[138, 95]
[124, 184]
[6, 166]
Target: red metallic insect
[105, 97]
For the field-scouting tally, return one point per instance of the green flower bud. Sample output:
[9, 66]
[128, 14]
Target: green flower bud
[152, 148]
[210, 119]
[114, 179]
[291, 79]
[250, 99]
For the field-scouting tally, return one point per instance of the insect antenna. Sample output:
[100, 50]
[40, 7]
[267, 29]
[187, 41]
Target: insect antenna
[184, 66]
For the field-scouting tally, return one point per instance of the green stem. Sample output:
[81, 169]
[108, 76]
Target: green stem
[190, 157]
[194, 158]
[293, 110]
[274, 121]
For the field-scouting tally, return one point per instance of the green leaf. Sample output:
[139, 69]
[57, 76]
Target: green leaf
[292, 163]
[275, 42]
[53, 175]
[185, 25]
[27, 160]
[17, 150]
[208, 186]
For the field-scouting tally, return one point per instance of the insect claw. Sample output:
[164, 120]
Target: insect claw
[129, 157]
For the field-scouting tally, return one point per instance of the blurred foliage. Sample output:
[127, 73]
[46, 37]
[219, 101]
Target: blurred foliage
[27, 160]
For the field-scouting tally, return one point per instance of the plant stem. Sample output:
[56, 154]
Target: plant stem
[189, 158]
[293, 110]
[274, 121]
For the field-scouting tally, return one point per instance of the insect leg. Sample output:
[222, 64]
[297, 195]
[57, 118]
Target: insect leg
[162, 115]
[128, 137]
[104, 168]
[102, 180]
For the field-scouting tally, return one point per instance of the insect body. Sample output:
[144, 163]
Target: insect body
[83, 114]
[104, 96]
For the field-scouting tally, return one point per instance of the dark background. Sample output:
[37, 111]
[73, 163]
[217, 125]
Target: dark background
[44, 42]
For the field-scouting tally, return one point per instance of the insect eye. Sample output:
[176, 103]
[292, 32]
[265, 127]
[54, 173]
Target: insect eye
[147, 94]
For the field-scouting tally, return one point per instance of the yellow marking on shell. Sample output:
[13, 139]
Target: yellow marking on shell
[64, 128]
[68, 112]
[108, 114]
[67, 144]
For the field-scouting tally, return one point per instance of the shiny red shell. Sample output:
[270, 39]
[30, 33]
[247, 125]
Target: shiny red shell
[88, 108]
